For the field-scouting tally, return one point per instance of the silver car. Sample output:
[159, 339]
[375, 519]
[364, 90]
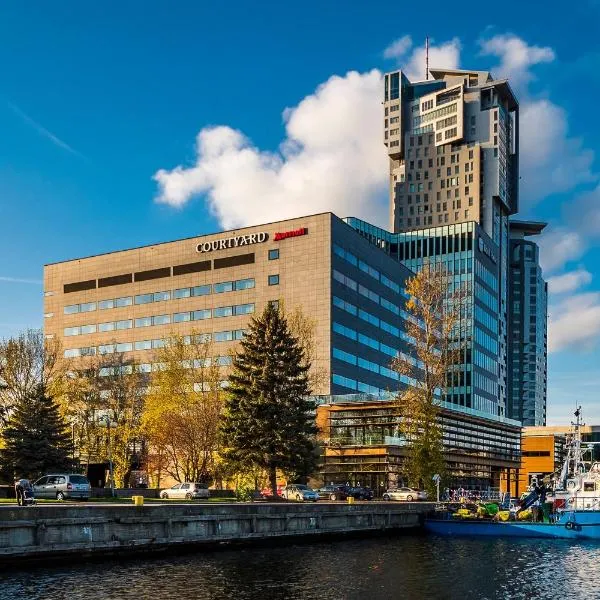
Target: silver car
[62, 487]
[299, 492]
[405, 493]
[187, 490]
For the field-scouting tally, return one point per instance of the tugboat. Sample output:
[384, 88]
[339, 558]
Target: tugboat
[566, 506]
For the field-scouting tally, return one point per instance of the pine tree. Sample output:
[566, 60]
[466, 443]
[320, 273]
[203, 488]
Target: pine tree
[35, 440]
[267, 421]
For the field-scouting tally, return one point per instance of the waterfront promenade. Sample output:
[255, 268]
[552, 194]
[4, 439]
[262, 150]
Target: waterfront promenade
[53, 532]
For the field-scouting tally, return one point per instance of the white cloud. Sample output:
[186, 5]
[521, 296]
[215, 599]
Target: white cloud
[544, 128]
[516, 57]
[558, 247]
[443, 56]
[574, 322]
[398, 48]
[4, 279]
[332, 158]
[569, 282]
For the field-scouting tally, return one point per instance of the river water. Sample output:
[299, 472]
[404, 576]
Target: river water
[388, 568]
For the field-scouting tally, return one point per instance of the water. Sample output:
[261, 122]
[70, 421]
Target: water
[407, 567]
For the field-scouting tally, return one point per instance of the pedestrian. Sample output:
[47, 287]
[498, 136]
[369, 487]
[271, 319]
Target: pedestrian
[23, 490]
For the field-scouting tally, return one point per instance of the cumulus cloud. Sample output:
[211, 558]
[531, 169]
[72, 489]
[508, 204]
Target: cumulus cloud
[332, 158]
[558, 247]
[544, 127]
[574, 322]
[569, 282]
[411, 60]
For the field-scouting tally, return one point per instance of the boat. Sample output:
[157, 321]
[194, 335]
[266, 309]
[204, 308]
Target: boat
[566, 506]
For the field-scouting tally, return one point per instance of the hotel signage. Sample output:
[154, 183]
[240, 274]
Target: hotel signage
[232, 242]
[289, 234]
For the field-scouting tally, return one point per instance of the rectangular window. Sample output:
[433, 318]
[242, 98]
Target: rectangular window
[71, 331]
[182, 293]
[144, 298]
[104, 304]
[273, 279]
[107, 349]
[71, 310]
[200, 315]
[344, 381]
[143, 322]
[244, 284]
[161, 296]
[159, 343]
[274, 254]
[110, 326]
[244, 309]
[201, 290]
[161, 319]
[125, 347]
[225, 286]
[88, 329]
[223, 336]
[182, 317]
[87, 307]
[126, 324]
[345, 356]
[144, 345]
[195, 267]
[122, 302]
[234, 261]
[223, 311]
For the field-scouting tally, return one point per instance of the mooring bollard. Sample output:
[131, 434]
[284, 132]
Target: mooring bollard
[138, 500]
[350, 499]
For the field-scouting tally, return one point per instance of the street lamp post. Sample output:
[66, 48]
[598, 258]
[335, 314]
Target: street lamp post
[106, 419]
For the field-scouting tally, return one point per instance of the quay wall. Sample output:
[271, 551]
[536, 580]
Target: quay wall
[55, 532]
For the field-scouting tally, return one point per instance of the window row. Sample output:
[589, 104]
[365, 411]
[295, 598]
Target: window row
[195, 315]
[202, 338]
[220, 361]
[200, 290]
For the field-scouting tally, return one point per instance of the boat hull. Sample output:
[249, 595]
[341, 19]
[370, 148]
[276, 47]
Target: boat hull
[571, 525]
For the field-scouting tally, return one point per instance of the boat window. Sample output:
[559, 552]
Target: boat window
[588, 486]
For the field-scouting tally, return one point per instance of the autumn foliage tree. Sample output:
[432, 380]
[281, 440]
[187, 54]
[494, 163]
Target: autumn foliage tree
[434, 326]
[183, 409]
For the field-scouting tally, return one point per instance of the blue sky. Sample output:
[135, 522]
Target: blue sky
[130, 123]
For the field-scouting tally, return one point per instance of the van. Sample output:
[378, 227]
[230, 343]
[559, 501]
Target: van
[62, 487]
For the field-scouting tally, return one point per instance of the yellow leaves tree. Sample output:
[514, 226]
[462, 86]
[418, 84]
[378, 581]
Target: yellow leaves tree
[183, 411]
[434, 328]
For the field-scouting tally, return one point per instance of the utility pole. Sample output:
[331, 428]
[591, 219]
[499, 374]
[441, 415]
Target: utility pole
[427, 58]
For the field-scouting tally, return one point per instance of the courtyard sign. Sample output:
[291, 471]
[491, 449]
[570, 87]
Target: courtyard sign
[233, 242]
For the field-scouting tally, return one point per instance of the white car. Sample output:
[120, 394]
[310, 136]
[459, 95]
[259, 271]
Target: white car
[187, 490]
[405, 493]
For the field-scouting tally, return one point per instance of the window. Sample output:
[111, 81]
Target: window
[87, 307]
[104, 304]
[71, 331]
[244, 309]
[182, 293]
[122, 302]
[225, 286]
[223, 311]
[273, 279]
[144, 345]
[199, 315]
[106, 327]
[126, 324]
[274, 254]
[182, 317]
[223, 336]
[88, 329]
[201, 290]
[143, 322]
[72, 309]
[144, 298]
[125, 347]
[161, 319]
[161, 296]
[244, 284]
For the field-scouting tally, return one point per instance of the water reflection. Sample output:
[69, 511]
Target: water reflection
[386, 568]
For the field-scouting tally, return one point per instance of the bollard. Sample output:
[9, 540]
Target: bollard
[350, 499]
[138, 500]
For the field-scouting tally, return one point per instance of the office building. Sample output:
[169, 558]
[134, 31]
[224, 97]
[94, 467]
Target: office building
[527, 329]
[471, 260]
[131, 301]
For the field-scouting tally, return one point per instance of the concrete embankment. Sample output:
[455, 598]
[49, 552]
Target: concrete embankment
[54, 532]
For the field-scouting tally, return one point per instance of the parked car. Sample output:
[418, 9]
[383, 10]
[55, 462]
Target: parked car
[405, 493]
[299, 492]
[360, 493]
[62, 486]
[333, 492]
[187, 490]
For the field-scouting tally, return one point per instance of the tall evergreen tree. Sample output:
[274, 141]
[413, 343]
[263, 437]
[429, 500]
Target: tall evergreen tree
[35, 439]
[267, 421]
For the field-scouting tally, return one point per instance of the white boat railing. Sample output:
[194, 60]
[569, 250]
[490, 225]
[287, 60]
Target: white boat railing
[583, 503]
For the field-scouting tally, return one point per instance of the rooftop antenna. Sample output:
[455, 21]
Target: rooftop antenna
[426, 58]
